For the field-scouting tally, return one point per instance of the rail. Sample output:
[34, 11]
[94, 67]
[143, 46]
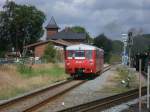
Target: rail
[33, 108]
[55, 90]
[20, 103]
[107, 102]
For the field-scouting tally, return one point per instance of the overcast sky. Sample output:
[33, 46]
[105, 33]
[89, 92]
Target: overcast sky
[111, 17]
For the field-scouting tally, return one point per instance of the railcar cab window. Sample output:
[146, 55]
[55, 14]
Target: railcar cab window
[79, 54]
[70, 54]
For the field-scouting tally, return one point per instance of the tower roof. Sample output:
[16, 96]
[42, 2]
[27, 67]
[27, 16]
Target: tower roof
[52, 24]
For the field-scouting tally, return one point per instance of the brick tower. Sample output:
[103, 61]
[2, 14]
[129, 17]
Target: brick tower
[51, 28]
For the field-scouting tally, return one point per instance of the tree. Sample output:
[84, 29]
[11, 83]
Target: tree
[79, 29]
[103, 42]
[117, 47]
[20, 25]
[50, 53]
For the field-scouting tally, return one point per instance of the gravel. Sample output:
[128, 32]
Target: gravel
[88, 91]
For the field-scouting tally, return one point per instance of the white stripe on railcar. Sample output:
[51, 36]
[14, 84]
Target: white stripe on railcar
[82, 47]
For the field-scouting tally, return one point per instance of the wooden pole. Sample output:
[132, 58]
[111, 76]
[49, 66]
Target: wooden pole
[140, 105]
[148, 76]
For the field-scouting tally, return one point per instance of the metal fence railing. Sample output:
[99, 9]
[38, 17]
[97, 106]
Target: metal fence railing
[7, 61]
[29, 60]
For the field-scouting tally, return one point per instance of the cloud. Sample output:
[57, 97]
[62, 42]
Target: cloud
[1, 4]
[98, 16]
[66, 9]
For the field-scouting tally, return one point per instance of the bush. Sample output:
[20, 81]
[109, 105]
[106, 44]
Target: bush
[50, 53]
[2, 54]
[24, 69]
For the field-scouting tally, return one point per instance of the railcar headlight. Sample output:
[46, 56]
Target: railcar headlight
[79, 61]
[91, 62]
[68, 63]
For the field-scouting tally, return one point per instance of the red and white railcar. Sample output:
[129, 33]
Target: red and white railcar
[82, 59]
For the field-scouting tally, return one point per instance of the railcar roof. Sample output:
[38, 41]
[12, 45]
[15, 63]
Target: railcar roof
[82, 47]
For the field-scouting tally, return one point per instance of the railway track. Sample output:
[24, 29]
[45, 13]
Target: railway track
[36, 99]
[106, 68]
[102, 104]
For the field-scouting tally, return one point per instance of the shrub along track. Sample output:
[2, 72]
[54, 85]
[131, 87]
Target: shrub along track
[36, 99]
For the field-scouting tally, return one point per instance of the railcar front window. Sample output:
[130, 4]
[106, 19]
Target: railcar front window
[79, 54]
[70, 54]
[76, 54]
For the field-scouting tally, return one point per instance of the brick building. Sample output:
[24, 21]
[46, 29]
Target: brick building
[66, 34]
[39, 47]
[59, 39]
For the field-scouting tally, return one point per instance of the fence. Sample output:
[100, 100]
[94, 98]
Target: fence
[7, 61]
[28, 60]
[20, 60]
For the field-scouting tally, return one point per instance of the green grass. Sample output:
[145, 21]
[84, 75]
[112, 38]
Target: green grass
[28, 71]
[24, 69]
[114, 89]
[25, 78]
[122, 74]
[11, 92]
[114, 58]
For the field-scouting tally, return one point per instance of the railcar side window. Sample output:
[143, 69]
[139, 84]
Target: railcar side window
[96, 53]
[88, 54]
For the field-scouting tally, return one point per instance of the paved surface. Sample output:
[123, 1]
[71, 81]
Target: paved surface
[131, 106]
[135, 108]
[89, 91]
